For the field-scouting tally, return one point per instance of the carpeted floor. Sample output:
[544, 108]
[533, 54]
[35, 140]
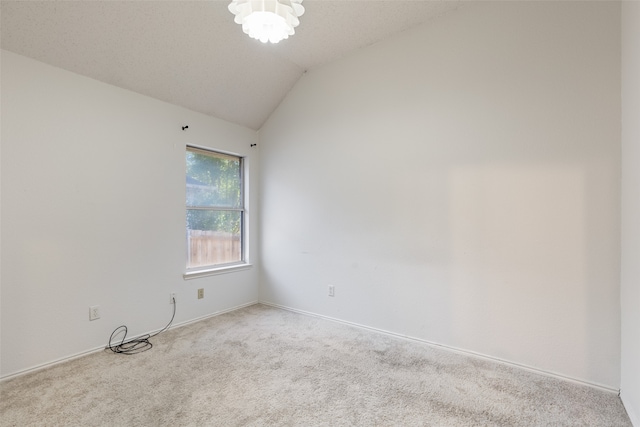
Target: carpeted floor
[262, 366]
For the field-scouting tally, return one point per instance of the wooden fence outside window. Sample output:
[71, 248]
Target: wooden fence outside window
[208, 248]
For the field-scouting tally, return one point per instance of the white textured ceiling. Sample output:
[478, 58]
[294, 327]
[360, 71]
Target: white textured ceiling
[192, 54]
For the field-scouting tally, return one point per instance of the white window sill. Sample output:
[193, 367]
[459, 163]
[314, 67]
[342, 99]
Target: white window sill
[216, 270]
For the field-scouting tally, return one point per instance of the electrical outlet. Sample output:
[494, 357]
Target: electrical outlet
[332, 291]
[94, 312]
[200, 293]
[172, 298]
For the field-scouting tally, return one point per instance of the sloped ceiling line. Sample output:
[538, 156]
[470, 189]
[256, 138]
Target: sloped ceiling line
[192, 54]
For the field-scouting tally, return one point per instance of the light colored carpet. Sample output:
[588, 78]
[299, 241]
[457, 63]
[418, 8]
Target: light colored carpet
[262, 366]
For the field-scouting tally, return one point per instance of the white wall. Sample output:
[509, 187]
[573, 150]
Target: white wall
[630, 289]
[93, 191]
[459, 184]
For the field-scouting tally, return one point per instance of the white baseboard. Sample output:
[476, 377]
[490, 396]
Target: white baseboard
[307, 313]
[50, 364]
[450, 348]
[217, 313]
[102, 348]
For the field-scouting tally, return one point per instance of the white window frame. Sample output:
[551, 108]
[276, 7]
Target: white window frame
[191, 273]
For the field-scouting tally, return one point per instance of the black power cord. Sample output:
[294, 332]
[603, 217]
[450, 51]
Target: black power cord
[136, 345]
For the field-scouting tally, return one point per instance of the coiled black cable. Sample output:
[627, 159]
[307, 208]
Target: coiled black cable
[136, 345]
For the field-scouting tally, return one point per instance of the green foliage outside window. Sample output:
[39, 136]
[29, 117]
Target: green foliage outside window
[214, 180]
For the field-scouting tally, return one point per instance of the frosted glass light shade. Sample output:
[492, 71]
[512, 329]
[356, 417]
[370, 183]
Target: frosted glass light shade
[267, 20]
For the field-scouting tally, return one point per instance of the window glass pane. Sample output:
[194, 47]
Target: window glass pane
[213, 237]
[213, 179]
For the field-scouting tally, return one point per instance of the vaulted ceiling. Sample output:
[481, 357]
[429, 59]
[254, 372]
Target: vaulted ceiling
[192, 54]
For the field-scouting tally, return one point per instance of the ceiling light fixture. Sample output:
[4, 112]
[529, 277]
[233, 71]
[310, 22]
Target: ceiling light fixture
[267, 20]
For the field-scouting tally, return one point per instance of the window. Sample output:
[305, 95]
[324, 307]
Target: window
[215, 209]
